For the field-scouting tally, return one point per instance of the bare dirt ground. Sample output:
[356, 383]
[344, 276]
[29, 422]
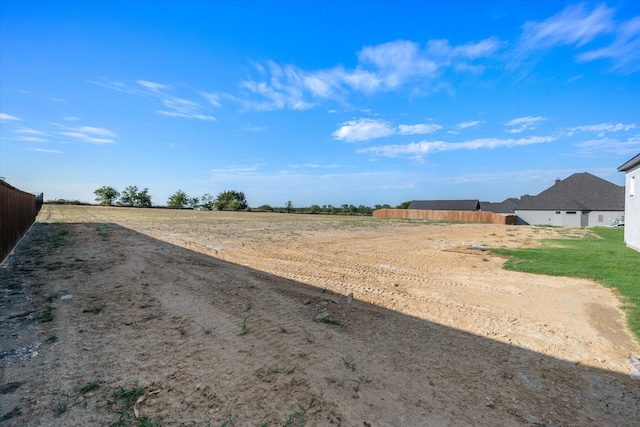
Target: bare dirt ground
[250, 319]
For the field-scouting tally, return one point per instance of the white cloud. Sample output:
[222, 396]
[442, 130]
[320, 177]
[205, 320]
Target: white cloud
[153, 87]
[213, 98]
[624, 51]
[574, 25]
[363, 129]
[92, 135]
[523, 123]
[420, 149]
[602, 128]
[28, 131]
[420, 129]
[8, 117]
[29, 135]
[45, 150]
[609, 146]
[471, 124]
[314, 166]
[96, 131]
[386, 66]
[86, 138]
[176, 106]
[30, 139]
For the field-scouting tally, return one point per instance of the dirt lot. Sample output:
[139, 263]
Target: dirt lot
[250, 319]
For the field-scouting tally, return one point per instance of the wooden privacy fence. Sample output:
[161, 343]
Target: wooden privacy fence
[18, 211]
[432, 215]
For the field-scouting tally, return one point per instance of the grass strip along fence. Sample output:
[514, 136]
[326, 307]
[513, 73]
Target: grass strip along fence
[601, 256]
[18, 211]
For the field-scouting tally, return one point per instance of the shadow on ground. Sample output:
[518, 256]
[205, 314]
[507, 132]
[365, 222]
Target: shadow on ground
[90, 310]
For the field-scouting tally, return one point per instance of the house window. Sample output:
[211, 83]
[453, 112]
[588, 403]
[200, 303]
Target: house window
[571, 212]
[600, 218]
[632, 186]
[557, 212]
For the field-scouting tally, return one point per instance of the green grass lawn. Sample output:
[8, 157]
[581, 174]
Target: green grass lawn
[601, 256]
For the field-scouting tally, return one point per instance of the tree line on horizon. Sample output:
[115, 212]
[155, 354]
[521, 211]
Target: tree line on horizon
[228, 200]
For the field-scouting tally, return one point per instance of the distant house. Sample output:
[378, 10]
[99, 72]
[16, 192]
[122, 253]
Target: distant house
[580, 200]
[445, 205]
[506, 207]
[632, 202]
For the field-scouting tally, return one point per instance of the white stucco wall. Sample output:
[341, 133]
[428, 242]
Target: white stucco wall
[564, 218]
[632, 208]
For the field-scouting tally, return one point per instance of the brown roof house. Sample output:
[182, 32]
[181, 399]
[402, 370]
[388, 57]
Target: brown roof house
[632, 202]
[581, 200]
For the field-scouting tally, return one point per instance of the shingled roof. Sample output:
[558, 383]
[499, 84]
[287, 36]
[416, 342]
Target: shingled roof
[580, 191]
[630, 164]
[506, 206]
[445, 205]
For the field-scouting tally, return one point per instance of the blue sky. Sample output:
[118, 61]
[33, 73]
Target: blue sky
[316, 102]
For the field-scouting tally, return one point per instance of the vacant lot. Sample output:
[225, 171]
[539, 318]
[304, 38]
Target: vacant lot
[251, 319]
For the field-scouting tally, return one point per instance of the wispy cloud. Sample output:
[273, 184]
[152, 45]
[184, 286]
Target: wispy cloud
[8, 117]
[578, 26]
[382, 67]
[573, 26]
[609, 146]
[174, 106]
[471, 124]
[420, 129]
[29, 135]
[92, 135]
[365, 129]
[624, 52]
[314, 166]
[602, 128]
[177, 107]
[152, 86]
[423, 148]
[522, 124]
[45, 150]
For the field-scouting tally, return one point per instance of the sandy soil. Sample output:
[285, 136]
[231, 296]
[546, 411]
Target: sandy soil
[250, 319]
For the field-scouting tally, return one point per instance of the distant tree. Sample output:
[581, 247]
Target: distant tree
[143, 199]
[131, 196]
[178, 200]
[266, 208]
[194, 202]
[206, 201]
[403, 205]
[314, 209]
[231, 200]
[106, 195]
[385, 206]
[289, 207]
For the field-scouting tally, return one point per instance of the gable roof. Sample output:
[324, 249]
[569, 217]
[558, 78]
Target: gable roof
[445, 205]
[630, 164]
[507, 206]
[580, 191]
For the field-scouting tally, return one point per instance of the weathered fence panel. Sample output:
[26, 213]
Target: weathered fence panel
[433, 215]
[18, 211]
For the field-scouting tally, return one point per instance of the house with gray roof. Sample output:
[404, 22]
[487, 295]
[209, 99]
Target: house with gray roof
[631, 169]
[581, 199]
[506, 207]
[445, 205]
